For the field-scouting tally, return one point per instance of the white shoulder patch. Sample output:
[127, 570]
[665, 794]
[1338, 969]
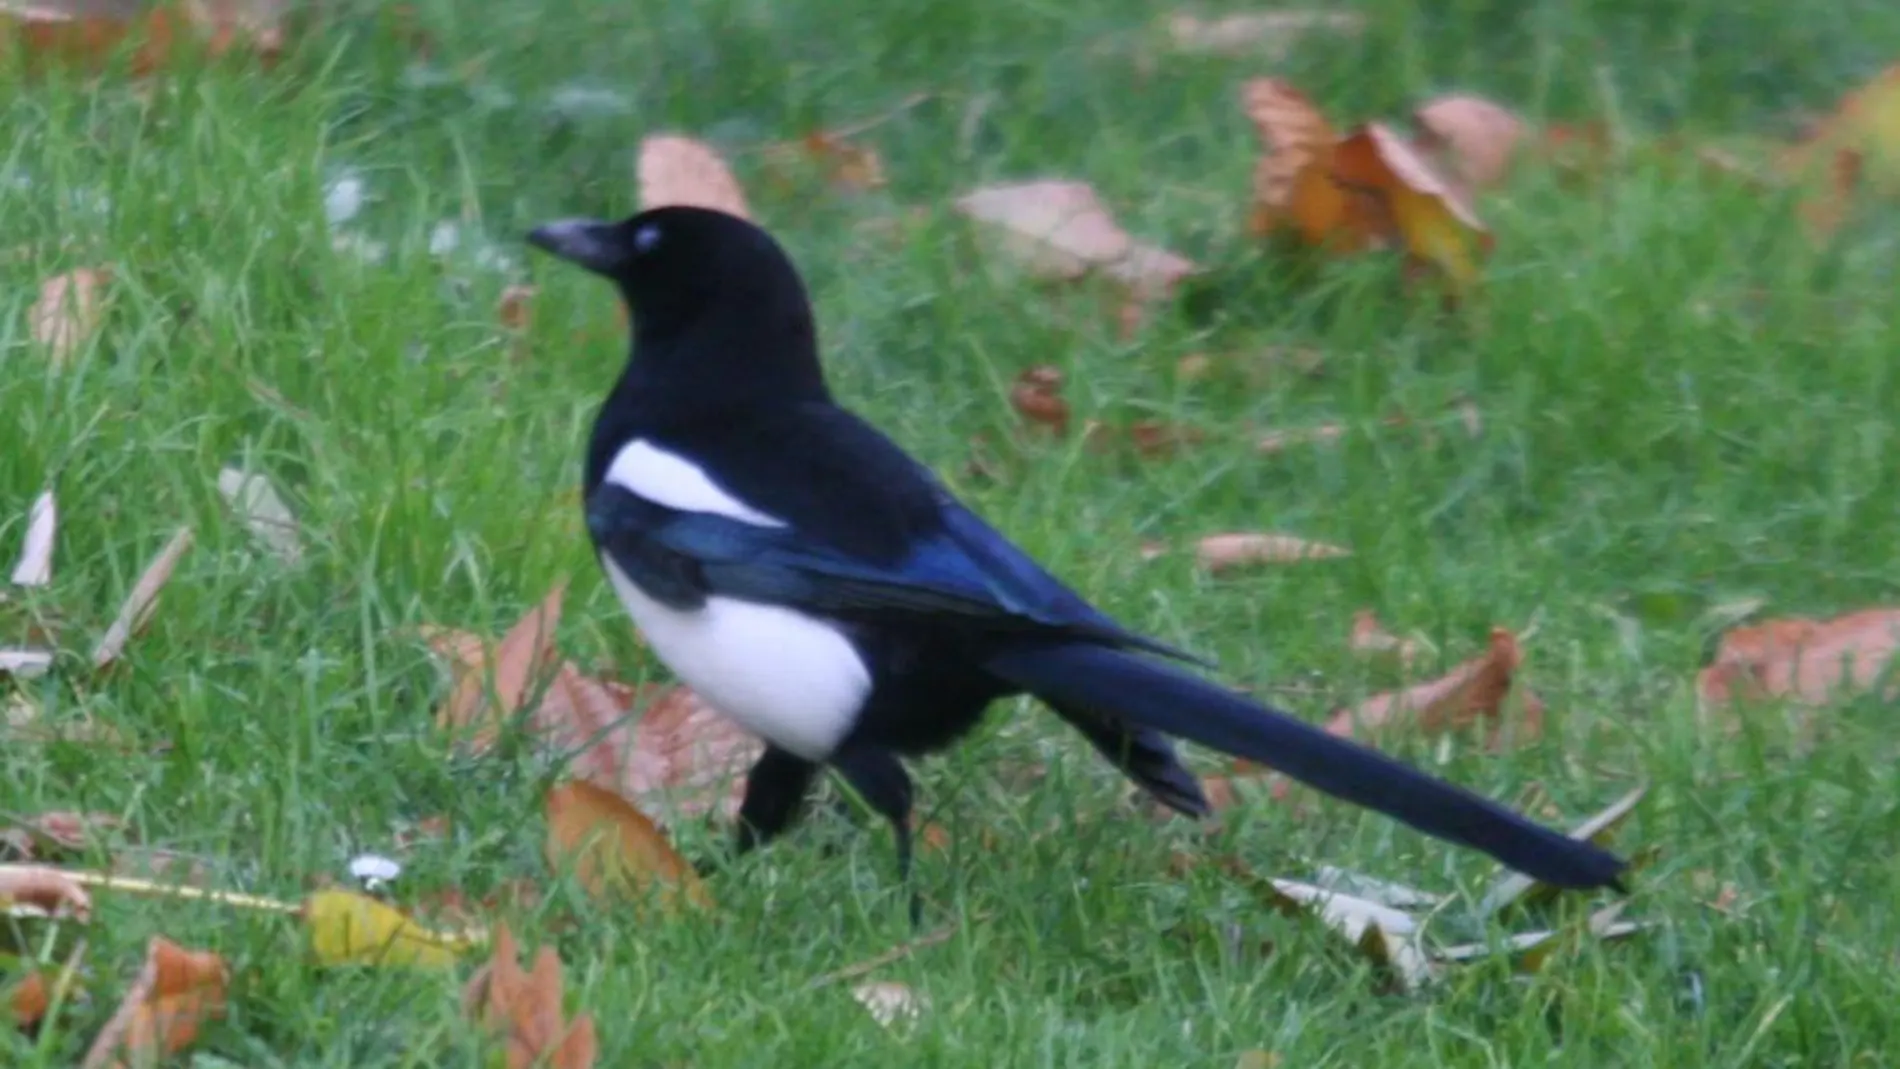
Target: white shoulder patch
[666, 478]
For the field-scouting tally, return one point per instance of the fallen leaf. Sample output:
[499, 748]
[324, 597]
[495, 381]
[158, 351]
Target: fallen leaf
[29, 1000]
[889, 1002]
[1474, 690]
[1478, 137]
[35, 567]
[1272, 34]
[1293, 186]
[1437, 224]
[1370, 638]
[688, 759]
[515, 308]
[256, 502]
[675, 170]
[614, 848]
[1225, 552]
[49, 890]
[1387, 936]
[68, 311]
[1829, 202]
[347, 928]
[844, 164]
[1281, 441]
[1511, 888]
[519, 662]
[524, 1008]
[1259, 1059]
[1812, 662]
[1371, 889]
[58, 830]
[176, 992]
[24, 663]
[1061, 231]
[1037, 397]
[1531, 951]
[141, 601]
[1865, 126]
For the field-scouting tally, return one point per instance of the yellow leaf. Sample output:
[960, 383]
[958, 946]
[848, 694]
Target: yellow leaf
[349, 928]
[1433, 219]
[615, 848]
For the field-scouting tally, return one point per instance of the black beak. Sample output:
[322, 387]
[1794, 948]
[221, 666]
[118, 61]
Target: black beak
[588, 242]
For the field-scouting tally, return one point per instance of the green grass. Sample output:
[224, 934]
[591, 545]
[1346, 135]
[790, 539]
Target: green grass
[1684, 404]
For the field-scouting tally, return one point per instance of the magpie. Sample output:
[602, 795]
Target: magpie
[813, 582]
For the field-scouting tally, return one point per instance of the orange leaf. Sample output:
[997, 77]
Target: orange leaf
[1037, 397]
[1293, 186]
[1437, 225]
[1813, 662]
[68, 311]
[518, 663]
[1480, 137]
[29, 1000]
[689, 758]
[1224, 552]
[851, 166]
[174, 994]
[1866, 124]
[681, 170]
[1472, 691]
[525, 1009]
[515, 308]
[614, 847]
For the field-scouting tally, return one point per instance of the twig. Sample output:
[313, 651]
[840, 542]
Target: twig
[896, 953]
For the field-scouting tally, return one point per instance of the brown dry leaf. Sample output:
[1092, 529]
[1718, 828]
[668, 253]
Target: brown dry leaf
[614, 848]
[1061, 231]
[1436, 223]
[1272, 34]
[1866, 125]
[68, 311]
[1225, 552]
[29, 1000]
[515, 308]
[843, 163]
[1813, 662]
[889, 1002]
[675, 170]
[1511, 888]
[689, 759]
[139, 604]
[1281, 441]
[1475, 690]
[518, 663]
[1037, 397]
[48, 890]
[1259, 1059]
[1369, 637]
[1478, 136]
[175, 993]
[35, 566]
[1293, 186]
[524, 1009]
[255, 500]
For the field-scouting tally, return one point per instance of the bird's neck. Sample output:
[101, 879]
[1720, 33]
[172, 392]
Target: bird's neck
[713, 374]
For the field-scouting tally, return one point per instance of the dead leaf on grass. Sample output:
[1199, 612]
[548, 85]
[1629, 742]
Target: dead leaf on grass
[1477, 136]
[1037, 397]
[68, 311]
[35, 566]
[1371, 639]
[688, 758]
[46, 889]
[1386, 936]
[347, 928]
[842, 162]
[1812, 662]
[1223, 553]
[1435, 222]
[176, 993]
[675, 170]
[1473, 691]
[57, 830]
[1531, 951]
[524, 1009]
[519, 662]
[255, 500]
[24, 663]
[514, 309]
[139, 604]
[613, 848]
[1060, 231]
[1270, 34]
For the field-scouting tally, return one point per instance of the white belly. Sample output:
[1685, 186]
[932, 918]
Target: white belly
[790, 679]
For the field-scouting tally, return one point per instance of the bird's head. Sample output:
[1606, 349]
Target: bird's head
[682, 269]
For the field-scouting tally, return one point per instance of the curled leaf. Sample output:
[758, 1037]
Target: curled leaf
[519, 663]
[1428, 213]
[1473, 691]
[141, 601]
[1226, 552]
[1479, 137]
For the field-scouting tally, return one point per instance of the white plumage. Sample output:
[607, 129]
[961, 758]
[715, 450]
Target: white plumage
[792, 679]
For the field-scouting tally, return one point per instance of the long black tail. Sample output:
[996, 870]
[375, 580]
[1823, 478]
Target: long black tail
[1150, 694]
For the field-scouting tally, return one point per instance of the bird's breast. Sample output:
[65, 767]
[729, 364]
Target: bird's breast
[792, 679]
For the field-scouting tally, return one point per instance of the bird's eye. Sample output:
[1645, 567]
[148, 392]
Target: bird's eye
[646, 239]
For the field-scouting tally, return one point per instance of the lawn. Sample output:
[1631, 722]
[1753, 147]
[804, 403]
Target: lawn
[1685, 403]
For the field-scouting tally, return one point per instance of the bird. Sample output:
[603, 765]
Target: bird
[815, 583]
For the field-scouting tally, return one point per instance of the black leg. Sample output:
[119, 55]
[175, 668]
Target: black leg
[879, 776]
[775, 792]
